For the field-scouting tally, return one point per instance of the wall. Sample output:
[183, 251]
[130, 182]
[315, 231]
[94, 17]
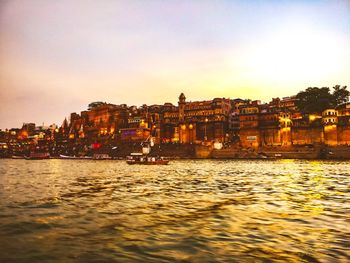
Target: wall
[343, 135]
[330, 135]
[270, 136]
[250, 137]
[307, 135]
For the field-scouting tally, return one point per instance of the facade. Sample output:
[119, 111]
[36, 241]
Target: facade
[276, 124]
[249, 132]
[234, 123]
[343, 124]
[249, 123]
[99, 123]
[194, 122]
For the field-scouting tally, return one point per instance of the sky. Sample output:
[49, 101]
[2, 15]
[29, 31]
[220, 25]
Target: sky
[58, 56]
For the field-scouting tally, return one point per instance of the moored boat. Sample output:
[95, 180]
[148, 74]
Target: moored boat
[75, 157]
[139, 158]
[101, 156]
[17, 157]
[38, 156]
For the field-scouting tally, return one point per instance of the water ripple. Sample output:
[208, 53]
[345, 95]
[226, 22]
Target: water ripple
[188, 211]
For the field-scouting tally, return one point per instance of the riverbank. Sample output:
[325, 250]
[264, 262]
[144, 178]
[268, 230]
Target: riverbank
[308, 152]
[233, 151]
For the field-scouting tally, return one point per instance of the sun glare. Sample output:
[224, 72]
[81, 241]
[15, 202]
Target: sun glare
[297, 53]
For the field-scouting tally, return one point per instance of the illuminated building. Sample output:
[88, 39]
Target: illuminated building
[193, 122]
[249, 132]
[341, 124]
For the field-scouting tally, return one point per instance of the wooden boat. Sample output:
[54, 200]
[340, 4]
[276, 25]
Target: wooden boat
[139, 158]
[67, 157]
[101, 156]
[38, 156]
[17, 157]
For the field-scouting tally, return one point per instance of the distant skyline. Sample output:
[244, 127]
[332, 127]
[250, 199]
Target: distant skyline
[58, 56]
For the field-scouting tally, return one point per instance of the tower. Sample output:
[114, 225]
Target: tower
[182, 103]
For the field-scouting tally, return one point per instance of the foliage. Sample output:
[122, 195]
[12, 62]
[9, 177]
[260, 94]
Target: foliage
[316, 100]
[95, 104]
[340, 95]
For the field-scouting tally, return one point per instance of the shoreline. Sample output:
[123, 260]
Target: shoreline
[185, 158]
[195, 152]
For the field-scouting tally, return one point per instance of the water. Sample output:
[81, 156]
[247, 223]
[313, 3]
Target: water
[188, 211]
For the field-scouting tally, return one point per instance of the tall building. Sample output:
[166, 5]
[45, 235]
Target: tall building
[193, 122]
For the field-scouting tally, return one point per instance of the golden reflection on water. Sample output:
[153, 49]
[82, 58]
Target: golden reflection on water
[286, 161]
[304, 187]
[195, 211]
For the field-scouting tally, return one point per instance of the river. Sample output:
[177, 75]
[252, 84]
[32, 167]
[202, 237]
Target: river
[187, 211]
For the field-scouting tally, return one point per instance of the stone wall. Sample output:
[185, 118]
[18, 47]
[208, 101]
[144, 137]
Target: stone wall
[343, 135]
[270, 136]
[250, 137]
[306, 135]
[331, 135]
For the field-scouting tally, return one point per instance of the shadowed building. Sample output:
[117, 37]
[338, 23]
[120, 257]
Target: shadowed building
[343, 127]
[249, 132]
[99, 122]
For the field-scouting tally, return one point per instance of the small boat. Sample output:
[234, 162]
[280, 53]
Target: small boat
[17, 157]
[101, 156]
[67, 157]
[38, 156]
[140, 158]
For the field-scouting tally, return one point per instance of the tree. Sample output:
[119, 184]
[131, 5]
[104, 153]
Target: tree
[314, 100]
[95, 104]
[340, 95]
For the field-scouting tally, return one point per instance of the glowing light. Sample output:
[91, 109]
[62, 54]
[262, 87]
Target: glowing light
[312, 117]
[330, 127]
[285, 129]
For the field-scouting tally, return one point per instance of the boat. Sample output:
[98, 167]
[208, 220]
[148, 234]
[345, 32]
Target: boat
[101, 156]
[140, 158]
[17, 157]
[67, 157]
[38, 156]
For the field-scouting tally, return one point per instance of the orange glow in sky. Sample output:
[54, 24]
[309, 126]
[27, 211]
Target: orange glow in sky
[58, 56]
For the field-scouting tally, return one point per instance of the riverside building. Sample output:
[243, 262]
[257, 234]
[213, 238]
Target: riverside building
[195, 122]
[249, 123]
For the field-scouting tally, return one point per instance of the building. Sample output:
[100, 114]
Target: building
[249, 132]
[343, 124]
[99, 123]
[194, 122]
[251, 123]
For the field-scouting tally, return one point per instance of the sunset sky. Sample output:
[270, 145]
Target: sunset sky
[58, 56]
